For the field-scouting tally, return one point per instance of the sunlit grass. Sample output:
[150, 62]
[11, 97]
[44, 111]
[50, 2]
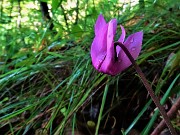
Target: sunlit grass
[47, 81]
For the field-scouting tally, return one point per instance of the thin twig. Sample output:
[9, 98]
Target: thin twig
[148, 87]
[171, 114]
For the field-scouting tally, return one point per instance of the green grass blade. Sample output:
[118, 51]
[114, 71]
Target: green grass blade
[138, 117]
[102, 108]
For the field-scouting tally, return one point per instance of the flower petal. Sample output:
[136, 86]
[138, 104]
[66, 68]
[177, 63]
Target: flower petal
[99, 47]
[133, 44]
[108, 63]
[123, 34]
[100, 23]
[110, 35]
[121, 40]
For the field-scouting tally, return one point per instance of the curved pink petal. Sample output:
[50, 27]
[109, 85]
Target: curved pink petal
[110, 35]
[123, 34]
[99, 48]
[100, 23]
[133, 44]
[108, 63]
[121, 40]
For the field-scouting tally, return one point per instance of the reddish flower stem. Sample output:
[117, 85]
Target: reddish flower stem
[148, 87]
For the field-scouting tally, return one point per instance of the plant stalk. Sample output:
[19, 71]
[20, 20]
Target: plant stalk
[148, 87]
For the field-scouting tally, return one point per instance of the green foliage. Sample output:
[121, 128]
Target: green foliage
[55, 4]
[47, 82]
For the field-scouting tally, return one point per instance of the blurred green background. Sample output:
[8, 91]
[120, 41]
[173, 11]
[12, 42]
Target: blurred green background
[48, 84]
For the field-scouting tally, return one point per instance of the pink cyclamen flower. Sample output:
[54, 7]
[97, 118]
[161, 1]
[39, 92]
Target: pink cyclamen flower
[105, 57]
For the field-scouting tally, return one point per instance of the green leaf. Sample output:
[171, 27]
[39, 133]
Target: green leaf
[44, 0]
[55, 4]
